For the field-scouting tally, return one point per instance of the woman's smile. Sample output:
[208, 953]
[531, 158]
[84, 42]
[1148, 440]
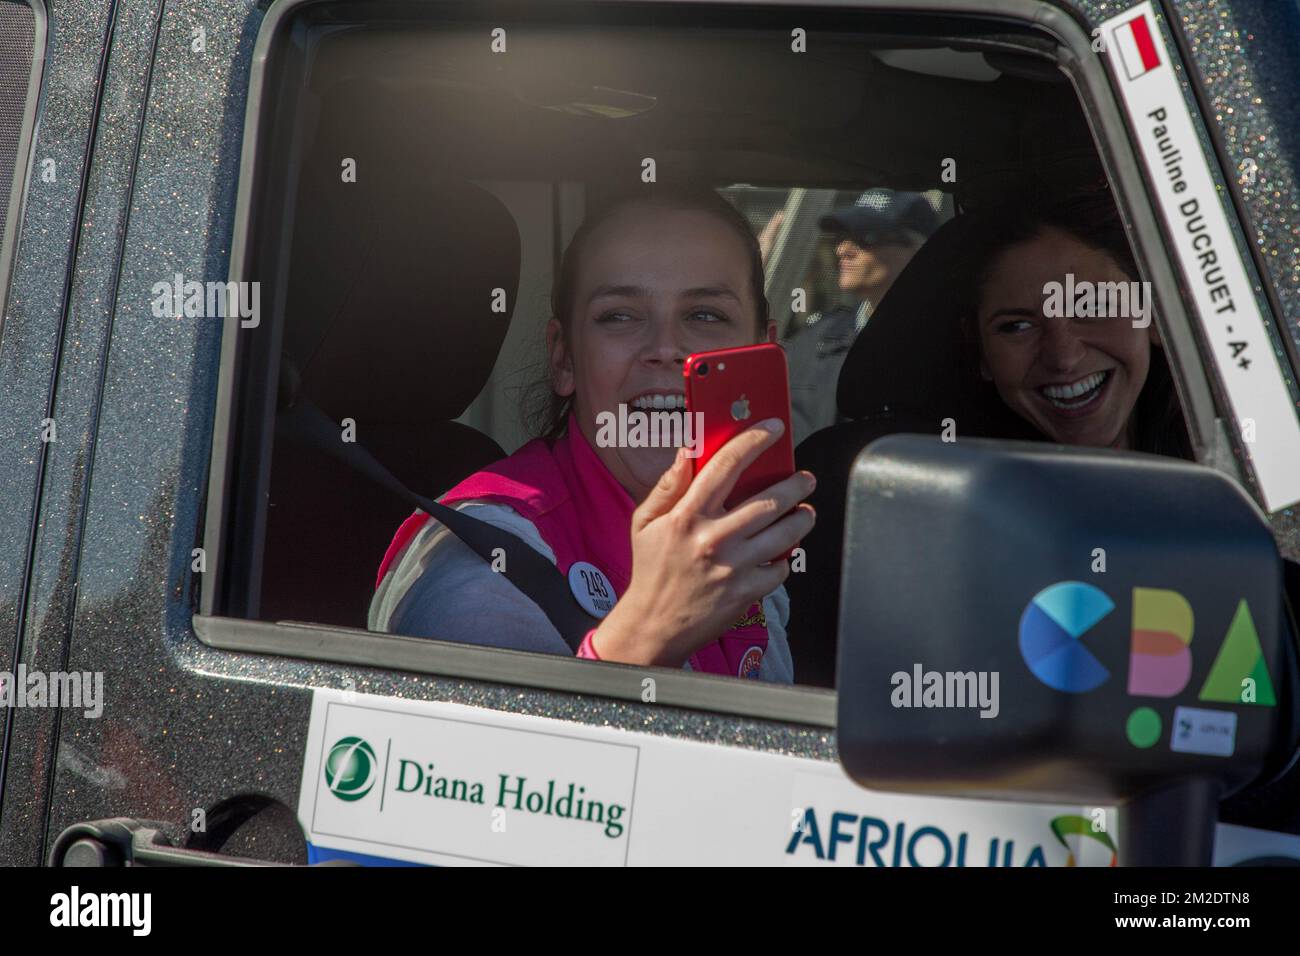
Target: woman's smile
[659, 400]
[1080, 397]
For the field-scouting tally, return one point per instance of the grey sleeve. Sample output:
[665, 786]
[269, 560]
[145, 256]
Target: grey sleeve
[441, 589]
[778, 665]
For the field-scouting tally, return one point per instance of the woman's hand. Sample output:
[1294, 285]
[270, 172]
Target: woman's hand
[697, 567]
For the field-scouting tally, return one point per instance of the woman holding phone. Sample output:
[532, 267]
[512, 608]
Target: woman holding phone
[647, 281]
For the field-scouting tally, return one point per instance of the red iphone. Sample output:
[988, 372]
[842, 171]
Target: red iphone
[735, 389]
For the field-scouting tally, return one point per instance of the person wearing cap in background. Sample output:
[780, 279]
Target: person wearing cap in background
[877, 237]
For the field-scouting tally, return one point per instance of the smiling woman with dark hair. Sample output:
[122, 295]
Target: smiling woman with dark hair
[1086, 377]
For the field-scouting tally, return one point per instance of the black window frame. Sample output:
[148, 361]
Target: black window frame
[23, 156]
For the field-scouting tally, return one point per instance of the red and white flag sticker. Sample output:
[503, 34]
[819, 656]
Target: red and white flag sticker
[1213, 265]
[1136, 46]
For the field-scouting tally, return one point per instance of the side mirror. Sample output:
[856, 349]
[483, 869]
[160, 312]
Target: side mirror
[1032, 622]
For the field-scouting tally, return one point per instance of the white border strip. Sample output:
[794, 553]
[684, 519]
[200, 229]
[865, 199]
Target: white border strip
[1212, 264]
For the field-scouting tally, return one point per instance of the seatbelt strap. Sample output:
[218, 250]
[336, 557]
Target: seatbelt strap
[528, 570]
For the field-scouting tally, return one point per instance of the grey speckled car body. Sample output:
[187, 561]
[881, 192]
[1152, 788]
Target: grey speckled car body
[97, 528]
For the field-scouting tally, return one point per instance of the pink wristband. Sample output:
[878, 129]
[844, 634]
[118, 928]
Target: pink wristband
[586, 649]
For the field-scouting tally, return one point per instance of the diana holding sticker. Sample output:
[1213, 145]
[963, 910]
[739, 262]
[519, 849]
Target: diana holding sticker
[646, 282]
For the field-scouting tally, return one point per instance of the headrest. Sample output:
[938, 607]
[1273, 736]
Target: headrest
[910, 360]
[389, 309]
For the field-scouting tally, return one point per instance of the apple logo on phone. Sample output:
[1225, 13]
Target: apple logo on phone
[740, 409]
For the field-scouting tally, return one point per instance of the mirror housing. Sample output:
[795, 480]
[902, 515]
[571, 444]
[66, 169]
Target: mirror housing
[1025, 621]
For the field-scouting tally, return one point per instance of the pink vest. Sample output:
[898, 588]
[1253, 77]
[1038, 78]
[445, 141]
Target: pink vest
[584, 514]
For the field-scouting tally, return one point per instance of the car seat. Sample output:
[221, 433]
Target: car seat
[388, 322]
[906, 372]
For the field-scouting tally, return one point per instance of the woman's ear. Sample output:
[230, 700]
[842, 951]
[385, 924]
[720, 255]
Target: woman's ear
[771, 330]
[1153, 334]
[559, 360]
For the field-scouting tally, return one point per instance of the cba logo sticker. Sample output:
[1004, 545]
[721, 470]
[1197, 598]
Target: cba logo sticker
[1050, 632]
[1054, 624]
[350, 768]
[750, 663]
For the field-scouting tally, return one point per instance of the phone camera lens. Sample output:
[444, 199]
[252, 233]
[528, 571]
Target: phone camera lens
[703, 369]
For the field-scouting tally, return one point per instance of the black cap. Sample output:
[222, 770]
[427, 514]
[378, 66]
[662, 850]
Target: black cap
[883, 215]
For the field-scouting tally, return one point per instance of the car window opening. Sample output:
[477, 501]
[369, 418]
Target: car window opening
[498, 296]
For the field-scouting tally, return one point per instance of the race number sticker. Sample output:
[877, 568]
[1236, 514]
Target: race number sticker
[1211, 263]
[591, 588]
